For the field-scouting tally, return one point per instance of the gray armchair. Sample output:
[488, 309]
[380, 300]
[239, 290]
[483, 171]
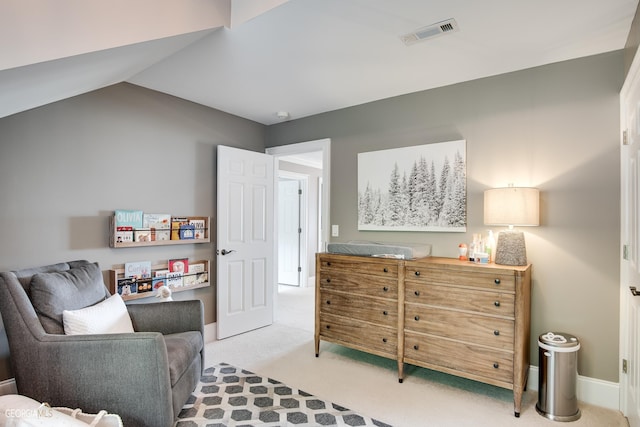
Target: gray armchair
[145, 377]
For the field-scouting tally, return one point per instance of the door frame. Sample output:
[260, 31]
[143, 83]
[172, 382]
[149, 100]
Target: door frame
[629, 255]
[323, 145]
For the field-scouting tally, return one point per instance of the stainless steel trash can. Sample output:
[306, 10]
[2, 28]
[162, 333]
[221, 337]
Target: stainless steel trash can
[557, 376]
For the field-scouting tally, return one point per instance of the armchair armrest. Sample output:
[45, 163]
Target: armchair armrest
[126, 374]
[168, 317]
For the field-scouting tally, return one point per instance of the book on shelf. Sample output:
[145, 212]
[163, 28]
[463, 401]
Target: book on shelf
[179, 265]
[127, 286]
[124, 234]
[158, 282]
[128, 218]
[141, 235]
[127, 222]
[202, 277]
[160, 273]
[159, 279]
[174, 279]
[196, 275]
[176, 222]
[159, 226]
[139, 270]
[145, 285]
[199, 227]
[187, 231]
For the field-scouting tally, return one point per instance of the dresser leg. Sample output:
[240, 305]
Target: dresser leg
[317, 347]
[517, 402]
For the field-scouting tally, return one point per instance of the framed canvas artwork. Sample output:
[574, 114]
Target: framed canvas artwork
[418, 188]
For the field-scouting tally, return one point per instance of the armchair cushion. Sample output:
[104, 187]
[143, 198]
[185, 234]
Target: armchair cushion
[183, 348]
[54, 292]
[107, 317]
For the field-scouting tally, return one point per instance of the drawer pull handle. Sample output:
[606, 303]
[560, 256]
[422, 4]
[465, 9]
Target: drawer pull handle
[384, 340]
[496, 281]
[328, 326]
[386, 289]
[328, 280]
[328, 264]
[386, 270]
[417, 318]
[417, 273]
[329, 302]
[496, 333]
[385, 312]
[496, 365]
[417, 293]
[416, 347]
[497, 303]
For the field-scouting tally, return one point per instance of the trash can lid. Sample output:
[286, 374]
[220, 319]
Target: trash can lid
[559, 339]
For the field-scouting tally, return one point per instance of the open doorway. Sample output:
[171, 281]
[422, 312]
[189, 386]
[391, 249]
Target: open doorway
[308, 161]
[299, 179]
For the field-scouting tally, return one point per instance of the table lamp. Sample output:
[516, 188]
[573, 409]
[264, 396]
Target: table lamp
[511, 206]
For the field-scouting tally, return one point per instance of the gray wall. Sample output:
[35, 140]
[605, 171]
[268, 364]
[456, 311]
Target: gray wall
[66, 166]
[554, 127]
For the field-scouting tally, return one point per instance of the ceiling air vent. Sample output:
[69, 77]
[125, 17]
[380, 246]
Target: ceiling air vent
[431, 31]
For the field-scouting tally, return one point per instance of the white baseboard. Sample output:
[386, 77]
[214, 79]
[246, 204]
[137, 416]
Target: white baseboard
[210, 333]
[589, 390]
[8, 387]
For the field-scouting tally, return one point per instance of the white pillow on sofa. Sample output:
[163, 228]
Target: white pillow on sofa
[107, 317]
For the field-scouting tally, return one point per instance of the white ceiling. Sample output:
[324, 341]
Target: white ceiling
[312, 56]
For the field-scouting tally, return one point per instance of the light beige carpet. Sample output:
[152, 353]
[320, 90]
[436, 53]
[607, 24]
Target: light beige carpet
[369, 384]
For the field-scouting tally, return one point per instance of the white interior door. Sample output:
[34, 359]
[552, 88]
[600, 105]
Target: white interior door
[245, 245]
[630, 263]
[289, 231]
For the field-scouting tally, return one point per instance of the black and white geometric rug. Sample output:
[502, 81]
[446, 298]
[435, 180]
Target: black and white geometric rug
[229, 396]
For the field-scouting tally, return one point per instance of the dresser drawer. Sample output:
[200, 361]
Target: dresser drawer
[348, 331]
[360, 265]
[494, 303]
[359, 284]
[473, 328]
[374, 310]
[497, 280]
[466, 358]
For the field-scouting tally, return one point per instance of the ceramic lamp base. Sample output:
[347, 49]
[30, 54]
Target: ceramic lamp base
[510, 248]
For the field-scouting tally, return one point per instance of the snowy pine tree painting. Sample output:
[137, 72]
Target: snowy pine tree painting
[421, 188]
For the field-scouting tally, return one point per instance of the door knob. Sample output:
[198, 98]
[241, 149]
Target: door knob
[225, 252]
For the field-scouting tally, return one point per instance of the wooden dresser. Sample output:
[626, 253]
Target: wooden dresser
[357, 303]
[465, 319]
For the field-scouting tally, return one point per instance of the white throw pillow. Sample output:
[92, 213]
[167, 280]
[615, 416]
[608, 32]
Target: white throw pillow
[107, 317]
[22, 411]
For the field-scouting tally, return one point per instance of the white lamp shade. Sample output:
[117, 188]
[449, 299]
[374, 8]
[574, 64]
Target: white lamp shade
[512, 206]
